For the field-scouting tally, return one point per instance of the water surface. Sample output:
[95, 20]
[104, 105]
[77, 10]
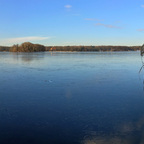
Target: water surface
[71, 98]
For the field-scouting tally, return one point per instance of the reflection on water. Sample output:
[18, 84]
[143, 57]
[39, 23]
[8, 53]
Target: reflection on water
[28, 57]
[80, 98]
[126, 133]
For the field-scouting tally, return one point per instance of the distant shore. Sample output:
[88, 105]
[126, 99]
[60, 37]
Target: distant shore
[29, 47]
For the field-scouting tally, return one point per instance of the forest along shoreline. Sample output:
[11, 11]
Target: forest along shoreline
[30, 47]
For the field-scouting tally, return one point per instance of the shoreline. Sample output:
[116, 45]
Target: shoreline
[75, 51]
[30, 47]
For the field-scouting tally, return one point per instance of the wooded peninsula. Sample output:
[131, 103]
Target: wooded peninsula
[30, 47]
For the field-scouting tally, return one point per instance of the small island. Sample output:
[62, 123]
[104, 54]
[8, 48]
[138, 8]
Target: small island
[30, 47]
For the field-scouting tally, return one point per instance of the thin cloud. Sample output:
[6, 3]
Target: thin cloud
[18, 40]
[107, 26]
[142, 6]
[92, 19]
[140, 30]
[68, 6]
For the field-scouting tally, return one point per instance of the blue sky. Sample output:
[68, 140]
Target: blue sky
[72, 22]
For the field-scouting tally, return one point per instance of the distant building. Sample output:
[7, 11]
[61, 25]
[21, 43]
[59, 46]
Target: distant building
[53, 49]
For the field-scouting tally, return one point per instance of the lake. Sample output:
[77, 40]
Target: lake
[71, 98]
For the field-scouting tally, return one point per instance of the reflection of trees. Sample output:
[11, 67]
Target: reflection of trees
[28, 57]
[126, 133]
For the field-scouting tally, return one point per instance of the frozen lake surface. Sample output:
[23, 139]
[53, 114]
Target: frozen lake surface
[71, 98]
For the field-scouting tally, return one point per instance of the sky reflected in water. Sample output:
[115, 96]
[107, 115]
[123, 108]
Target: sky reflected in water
[66, 98]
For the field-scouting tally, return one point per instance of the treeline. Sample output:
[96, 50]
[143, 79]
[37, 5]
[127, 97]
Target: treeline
[4, 48]
[93, 48]
[29, 47]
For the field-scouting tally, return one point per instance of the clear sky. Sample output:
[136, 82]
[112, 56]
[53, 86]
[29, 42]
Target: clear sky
[72, 22]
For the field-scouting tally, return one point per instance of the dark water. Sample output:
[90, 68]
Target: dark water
[71, 98]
